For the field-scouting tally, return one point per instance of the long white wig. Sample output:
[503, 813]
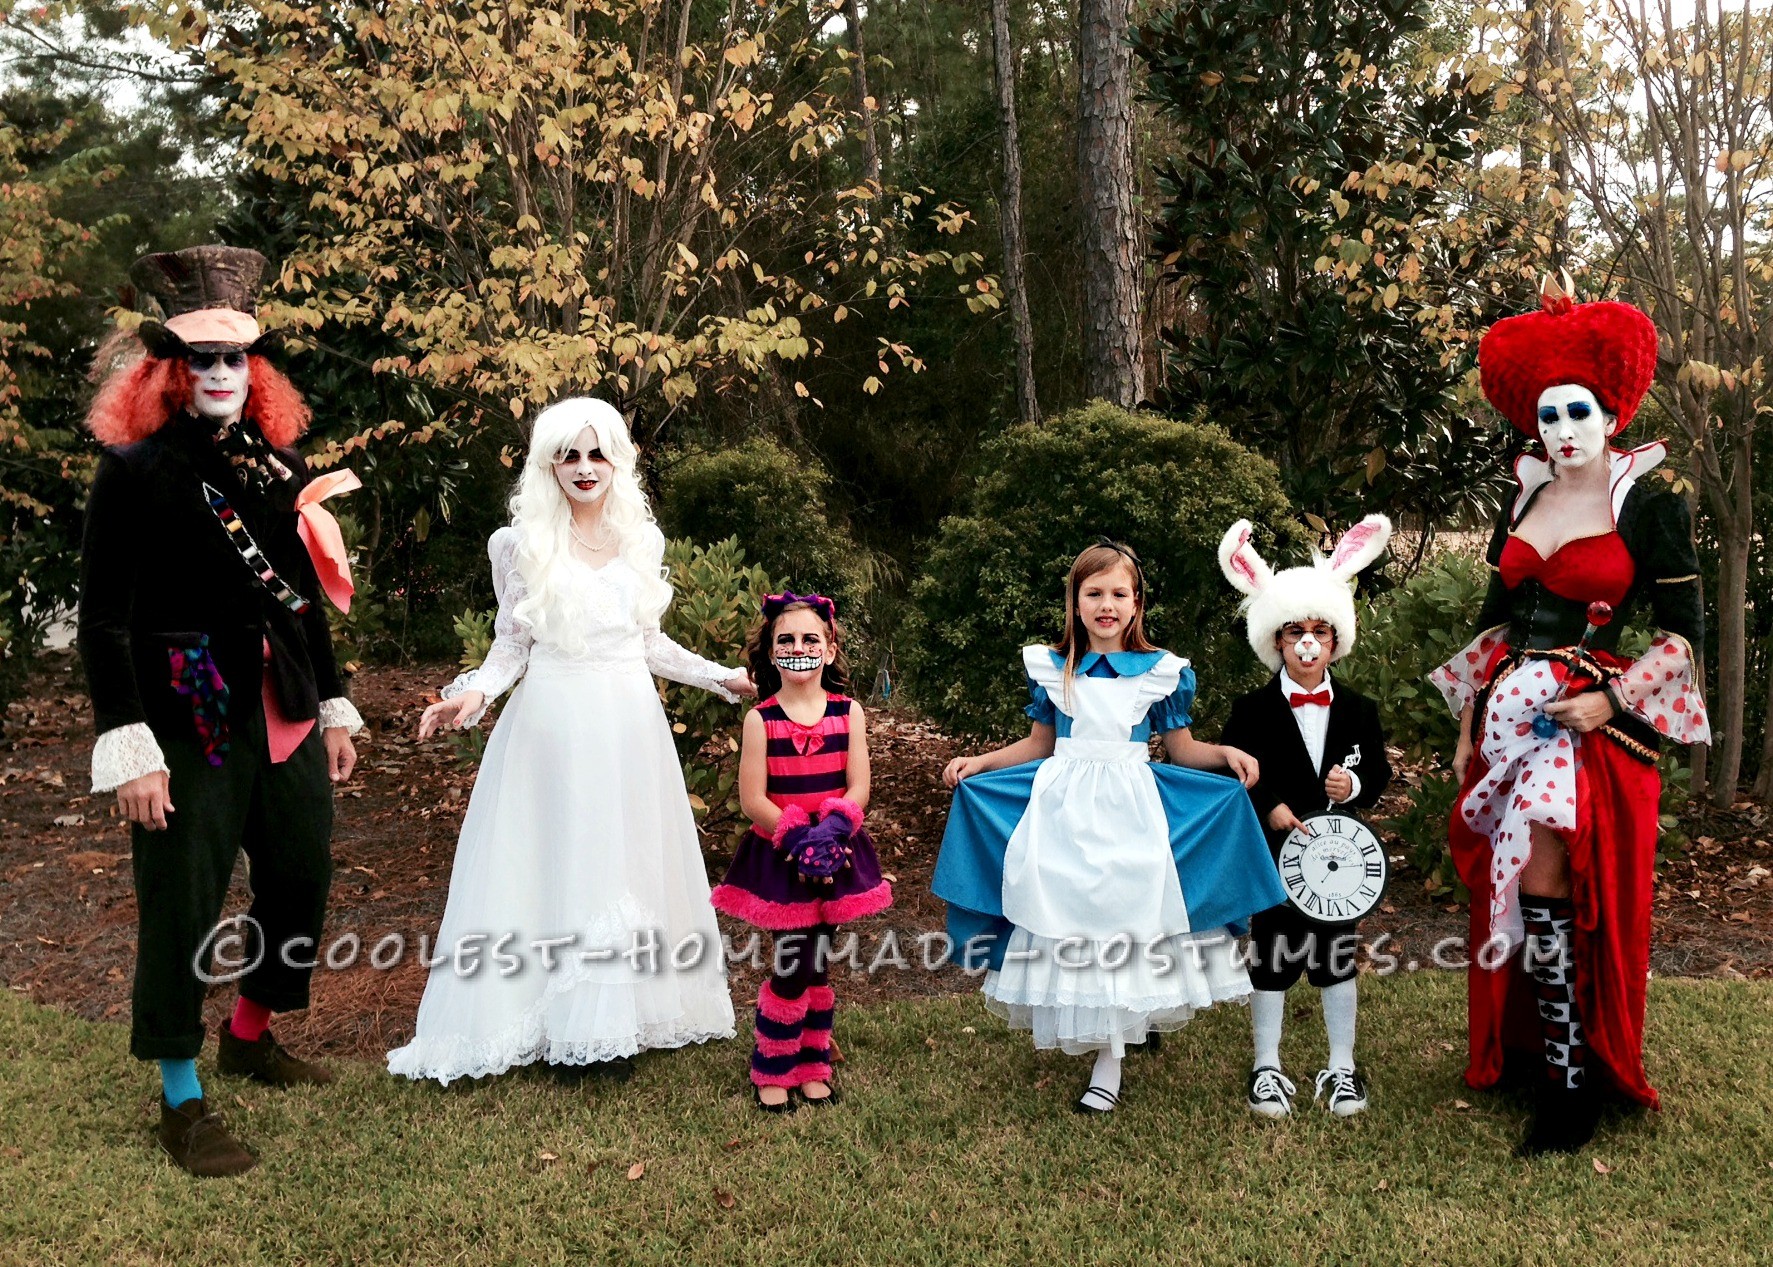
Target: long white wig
[543, 518]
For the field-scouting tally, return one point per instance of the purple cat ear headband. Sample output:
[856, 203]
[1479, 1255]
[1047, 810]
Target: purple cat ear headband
[775, 604]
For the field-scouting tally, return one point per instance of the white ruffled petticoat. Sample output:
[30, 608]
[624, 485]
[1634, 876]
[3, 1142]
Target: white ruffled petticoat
[578, 927]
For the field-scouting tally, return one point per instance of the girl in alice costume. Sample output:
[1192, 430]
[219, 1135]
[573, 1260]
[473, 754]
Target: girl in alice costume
[578, 929]
[1100, 890]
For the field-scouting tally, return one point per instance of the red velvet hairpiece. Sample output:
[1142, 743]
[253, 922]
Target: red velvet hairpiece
[1609, 348]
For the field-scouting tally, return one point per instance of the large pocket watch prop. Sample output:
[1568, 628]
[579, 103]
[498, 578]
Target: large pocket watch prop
[1333, 868]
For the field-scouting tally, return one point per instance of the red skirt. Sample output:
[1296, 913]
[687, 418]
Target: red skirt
[1612, 859]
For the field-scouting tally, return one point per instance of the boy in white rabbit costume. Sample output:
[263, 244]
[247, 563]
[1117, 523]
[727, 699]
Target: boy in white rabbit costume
[1319, 746]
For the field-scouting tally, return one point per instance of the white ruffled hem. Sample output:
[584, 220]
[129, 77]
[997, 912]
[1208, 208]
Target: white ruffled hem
[1081, 1009]
[123, 754]
[339, 712]
[447, 1059]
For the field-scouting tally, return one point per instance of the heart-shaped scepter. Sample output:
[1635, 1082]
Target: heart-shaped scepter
[1599, 616]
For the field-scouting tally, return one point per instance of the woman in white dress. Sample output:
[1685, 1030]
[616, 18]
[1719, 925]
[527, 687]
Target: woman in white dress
[578, 929]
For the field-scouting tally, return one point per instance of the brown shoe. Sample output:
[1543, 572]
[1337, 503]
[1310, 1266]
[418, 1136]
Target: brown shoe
[266, 1061]
[196, 1139]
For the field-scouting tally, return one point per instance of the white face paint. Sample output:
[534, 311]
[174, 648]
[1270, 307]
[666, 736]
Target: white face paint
[1573, 425]
[584, 473]
[218, 389]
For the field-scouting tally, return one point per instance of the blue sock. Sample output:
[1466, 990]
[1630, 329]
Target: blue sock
[178, 1081]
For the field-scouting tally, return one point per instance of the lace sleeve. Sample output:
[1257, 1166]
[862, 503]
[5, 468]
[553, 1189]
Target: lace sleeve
[509, 655]
[668, 660]
[125, 753]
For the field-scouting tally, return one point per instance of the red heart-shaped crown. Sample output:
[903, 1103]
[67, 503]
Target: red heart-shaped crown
[1609, 348]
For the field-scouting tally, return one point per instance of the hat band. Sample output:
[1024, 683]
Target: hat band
[215, 325]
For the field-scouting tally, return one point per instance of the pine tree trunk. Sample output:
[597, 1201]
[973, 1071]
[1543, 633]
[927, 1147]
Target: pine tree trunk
[1009, 212]
[1727, 707]
[864, 106]
[1114, 356]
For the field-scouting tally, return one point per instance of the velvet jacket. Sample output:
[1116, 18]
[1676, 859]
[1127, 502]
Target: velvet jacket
[158, 571]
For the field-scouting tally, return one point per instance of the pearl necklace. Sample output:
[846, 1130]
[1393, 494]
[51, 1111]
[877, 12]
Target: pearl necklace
[599, 547]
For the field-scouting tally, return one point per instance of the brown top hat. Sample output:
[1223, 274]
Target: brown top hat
[208, 295]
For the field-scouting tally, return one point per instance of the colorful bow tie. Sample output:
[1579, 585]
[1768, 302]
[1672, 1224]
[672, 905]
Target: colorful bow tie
[807, 742]
[1299, 700]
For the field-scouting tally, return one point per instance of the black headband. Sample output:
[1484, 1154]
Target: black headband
[1138, 570]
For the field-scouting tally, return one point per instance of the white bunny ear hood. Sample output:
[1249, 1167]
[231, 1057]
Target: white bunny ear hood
[1322, 591]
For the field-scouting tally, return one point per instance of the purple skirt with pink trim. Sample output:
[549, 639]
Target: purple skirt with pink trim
[764, 888]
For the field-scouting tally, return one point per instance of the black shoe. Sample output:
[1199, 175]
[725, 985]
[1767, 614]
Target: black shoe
[1270, 1092]
[1564, 1120]
[1153, 1042]
[618, 1070]
[265, 1060]
[1347, 1091]
[817, 1101]
[1098, 1100]
[786, 1106]
[197, 1140]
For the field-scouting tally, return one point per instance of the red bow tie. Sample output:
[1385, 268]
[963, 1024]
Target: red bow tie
[807, 742]
[1298, 699]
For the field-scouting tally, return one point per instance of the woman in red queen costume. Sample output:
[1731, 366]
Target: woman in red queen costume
[1554, 831]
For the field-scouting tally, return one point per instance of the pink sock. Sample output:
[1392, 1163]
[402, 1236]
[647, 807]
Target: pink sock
[251, 1020]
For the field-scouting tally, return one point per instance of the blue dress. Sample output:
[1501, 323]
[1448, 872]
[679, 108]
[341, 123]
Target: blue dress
[1101, 890]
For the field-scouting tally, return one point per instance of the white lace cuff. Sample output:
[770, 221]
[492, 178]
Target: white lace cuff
[465, 682]
[339, 711]
[126, 753]
[1354, 779]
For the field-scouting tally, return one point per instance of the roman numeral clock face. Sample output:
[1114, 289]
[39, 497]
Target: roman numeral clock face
[1334, 869]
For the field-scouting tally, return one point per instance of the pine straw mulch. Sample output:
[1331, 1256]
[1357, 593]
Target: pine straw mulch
[67, 909]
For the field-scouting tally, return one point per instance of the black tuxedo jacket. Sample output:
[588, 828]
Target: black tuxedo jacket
[157, 570]
[1262, 725]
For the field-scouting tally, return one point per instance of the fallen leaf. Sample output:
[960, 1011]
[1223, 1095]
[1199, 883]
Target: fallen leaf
[968, 1029]
[1601, 1167]
[1461, 1104]
[732, 1143]
[636, 1170]
[545, 1156]
[69, 820]
[1382, 1185]
[725, 1200]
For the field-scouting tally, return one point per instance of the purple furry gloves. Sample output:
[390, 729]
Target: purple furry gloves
[791, 829]
[825, 848]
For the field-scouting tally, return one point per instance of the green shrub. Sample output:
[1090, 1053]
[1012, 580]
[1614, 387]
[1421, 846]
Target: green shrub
[718, 597]
[995, 578]
[775, 503]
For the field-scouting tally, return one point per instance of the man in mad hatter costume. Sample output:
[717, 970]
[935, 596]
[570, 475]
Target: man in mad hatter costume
[222, 721]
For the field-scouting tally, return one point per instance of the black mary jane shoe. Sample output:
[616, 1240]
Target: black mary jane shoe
[1564, 1121]
[621, 1069]
[1152, 1043]
[818, 1101]
[1083, 1104]
[786, 1106]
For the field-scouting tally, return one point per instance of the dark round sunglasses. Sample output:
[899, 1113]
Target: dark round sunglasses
[201, 361]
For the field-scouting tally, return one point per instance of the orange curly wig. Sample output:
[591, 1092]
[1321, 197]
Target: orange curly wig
[139, 399]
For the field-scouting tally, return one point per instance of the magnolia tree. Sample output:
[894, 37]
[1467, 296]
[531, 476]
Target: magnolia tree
[1662, 126]
[649, 199]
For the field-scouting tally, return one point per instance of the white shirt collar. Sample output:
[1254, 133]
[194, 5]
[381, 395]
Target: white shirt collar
[1288, 685]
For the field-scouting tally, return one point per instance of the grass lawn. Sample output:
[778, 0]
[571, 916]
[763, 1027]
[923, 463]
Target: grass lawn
[951, 1147]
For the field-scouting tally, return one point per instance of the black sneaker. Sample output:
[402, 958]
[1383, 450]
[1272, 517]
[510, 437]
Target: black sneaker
[1271, 1092]
[1348, 1091]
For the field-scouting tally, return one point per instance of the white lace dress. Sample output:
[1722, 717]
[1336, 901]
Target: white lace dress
[578, 927]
